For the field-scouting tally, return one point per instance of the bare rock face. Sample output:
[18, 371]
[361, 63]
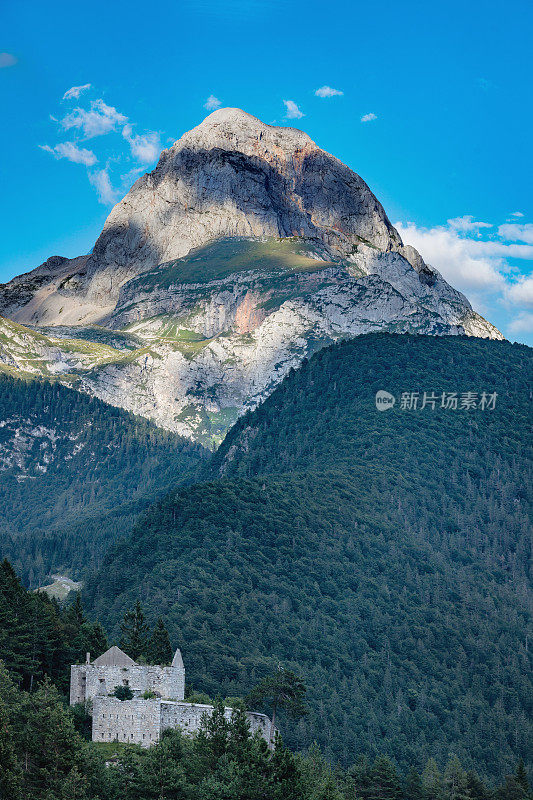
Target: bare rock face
[231, 176]
[245, 250]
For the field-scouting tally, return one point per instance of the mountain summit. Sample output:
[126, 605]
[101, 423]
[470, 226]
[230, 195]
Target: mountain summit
[246, 249]
[230, 176]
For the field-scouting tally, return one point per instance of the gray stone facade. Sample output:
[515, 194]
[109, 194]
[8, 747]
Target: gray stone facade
[141, 720]
[114, 668]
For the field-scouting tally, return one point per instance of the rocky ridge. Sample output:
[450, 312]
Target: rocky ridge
[245, 250]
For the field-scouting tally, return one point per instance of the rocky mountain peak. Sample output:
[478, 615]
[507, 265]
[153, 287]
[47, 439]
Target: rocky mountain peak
[244, 251]
[231, 176]
[234, 129]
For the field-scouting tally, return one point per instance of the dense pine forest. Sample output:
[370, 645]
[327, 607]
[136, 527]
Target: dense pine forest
[45, 753]
[74, 474]
[384, 556]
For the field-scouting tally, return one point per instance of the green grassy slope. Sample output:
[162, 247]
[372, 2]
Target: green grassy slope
[226, 257]
[384, 556]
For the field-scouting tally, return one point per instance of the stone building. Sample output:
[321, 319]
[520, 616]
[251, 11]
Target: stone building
[157, 703]
[114, 668]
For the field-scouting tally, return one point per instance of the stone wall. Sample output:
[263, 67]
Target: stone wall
[128, 721]
[142, 721]
[188, 717]
[88, 681]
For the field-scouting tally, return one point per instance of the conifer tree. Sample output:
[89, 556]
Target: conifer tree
[163, 772]
[77, 611]
[359, 776]
[476, 789]
[134, 632]
[287, 781]
[10, 769]
[239, 732]
[384, 780]
[159, 649]
[511, 790]
[432, 781]
[413, 785]
[327, 790]
[455, 781]
[95, 639]
[52, 750]
[213, 736]
[17, 641]
[521, 776]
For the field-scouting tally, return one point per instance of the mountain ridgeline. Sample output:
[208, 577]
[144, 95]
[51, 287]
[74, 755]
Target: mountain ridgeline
[384, 556]
[246, 250]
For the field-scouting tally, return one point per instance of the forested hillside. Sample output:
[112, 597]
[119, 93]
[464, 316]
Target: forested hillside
[382, 555]
[45, 753]
[74, 473]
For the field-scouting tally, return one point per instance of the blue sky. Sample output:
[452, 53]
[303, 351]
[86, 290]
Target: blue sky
[433, 110]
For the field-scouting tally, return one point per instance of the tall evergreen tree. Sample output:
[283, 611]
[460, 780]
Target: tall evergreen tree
[384, 780]
[476, 788]
[327, 790]
[134, 632]
[163, 770]
[359, 777]
[53, 755]
[95, 639]
[159, 649]
[10, 768]
[413, 785]
[432, 781]
[455, 781]
[287, 781]
[521, 776]
[17, 641]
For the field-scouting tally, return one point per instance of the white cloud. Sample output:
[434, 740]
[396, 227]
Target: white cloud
[517, 233]
[477, 261]
[467, 223]
[523, 323]
[100, 119]
[486, 84]
[212, 103]
[368, 118]
[74, 92]
[462, 261]
[7, 60]
[70, 151]
[293, 112]
[521, 292]
[97, 119]
[144, 147]
[102, 183]
[517, 214]
[327, 91]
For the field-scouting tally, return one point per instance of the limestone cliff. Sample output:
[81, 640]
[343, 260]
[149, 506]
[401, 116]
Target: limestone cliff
[246, 249]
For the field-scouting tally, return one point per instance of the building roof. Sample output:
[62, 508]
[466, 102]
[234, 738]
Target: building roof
[114, 657]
